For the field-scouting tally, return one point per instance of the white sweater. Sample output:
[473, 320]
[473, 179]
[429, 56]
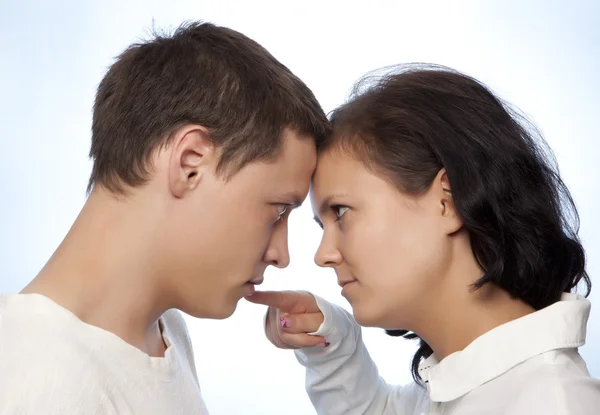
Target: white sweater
[52, 363]
[528, 366]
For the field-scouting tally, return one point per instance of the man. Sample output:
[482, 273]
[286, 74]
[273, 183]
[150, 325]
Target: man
[202, 143]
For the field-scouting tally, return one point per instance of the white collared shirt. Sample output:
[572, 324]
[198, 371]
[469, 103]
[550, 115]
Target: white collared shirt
[527, 366]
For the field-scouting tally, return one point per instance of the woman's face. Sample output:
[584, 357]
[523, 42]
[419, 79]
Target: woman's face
[390, 250]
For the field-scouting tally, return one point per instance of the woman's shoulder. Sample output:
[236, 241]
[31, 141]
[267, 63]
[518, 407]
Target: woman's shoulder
[553, 382]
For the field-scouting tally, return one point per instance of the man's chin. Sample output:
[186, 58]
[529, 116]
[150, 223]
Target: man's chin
[217, 311]
[223, 312]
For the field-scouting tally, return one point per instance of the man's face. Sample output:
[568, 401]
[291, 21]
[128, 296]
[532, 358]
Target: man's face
[226, 233]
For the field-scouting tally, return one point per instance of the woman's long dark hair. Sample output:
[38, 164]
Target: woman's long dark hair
[411, 121]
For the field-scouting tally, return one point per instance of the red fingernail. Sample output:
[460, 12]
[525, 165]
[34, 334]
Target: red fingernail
[283, 322]
[327, 344]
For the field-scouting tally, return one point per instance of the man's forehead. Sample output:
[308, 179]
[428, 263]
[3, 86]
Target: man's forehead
[293, 198]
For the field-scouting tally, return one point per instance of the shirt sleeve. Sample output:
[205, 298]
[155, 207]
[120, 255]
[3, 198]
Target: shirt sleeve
[343, 379]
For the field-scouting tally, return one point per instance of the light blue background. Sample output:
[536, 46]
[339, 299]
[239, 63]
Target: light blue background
[544, 57]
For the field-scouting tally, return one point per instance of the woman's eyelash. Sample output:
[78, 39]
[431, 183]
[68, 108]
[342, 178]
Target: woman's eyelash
[336, 209]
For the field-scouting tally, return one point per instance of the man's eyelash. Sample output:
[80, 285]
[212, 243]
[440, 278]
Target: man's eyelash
[281, 214]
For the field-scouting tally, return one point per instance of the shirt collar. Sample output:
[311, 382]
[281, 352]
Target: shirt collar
[558, 326]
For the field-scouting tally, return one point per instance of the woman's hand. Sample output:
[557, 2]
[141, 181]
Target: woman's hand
[290, 317]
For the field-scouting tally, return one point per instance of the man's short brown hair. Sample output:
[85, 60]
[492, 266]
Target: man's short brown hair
[201, 74]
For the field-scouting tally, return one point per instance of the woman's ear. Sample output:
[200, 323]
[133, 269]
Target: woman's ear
[450, 216]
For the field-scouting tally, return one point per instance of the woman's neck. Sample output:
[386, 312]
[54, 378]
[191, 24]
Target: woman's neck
[455, 323]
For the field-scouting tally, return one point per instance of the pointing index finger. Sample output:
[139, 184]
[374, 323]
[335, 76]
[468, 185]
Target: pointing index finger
[287, 301]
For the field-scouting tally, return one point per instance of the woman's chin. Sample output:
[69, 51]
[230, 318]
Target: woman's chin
[366, 317]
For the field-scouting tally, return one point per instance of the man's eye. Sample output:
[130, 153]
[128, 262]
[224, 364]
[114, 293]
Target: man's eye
[281, 209]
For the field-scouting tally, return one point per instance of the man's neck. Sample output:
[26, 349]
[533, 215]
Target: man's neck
[103, 273]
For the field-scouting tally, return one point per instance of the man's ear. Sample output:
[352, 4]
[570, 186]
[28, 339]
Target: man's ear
[192, 153]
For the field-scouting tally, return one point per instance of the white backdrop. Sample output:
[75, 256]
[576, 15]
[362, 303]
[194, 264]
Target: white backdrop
[544, 57]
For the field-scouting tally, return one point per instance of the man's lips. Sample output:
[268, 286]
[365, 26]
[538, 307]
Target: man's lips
[251, 284]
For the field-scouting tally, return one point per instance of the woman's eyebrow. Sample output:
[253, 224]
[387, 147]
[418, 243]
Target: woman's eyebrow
[324, 207]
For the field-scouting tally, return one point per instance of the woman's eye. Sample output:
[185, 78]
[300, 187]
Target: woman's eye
[339, 211]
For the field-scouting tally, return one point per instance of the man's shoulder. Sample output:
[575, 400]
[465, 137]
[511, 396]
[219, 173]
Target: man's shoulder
[54, 395]
[42, 375]
[40, 343]
[31, 321]
[27, 325]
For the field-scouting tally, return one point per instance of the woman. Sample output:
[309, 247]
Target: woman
[446, 221]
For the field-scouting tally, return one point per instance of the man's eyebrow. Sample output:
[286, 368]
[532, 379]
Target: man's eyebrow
[293, 199]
